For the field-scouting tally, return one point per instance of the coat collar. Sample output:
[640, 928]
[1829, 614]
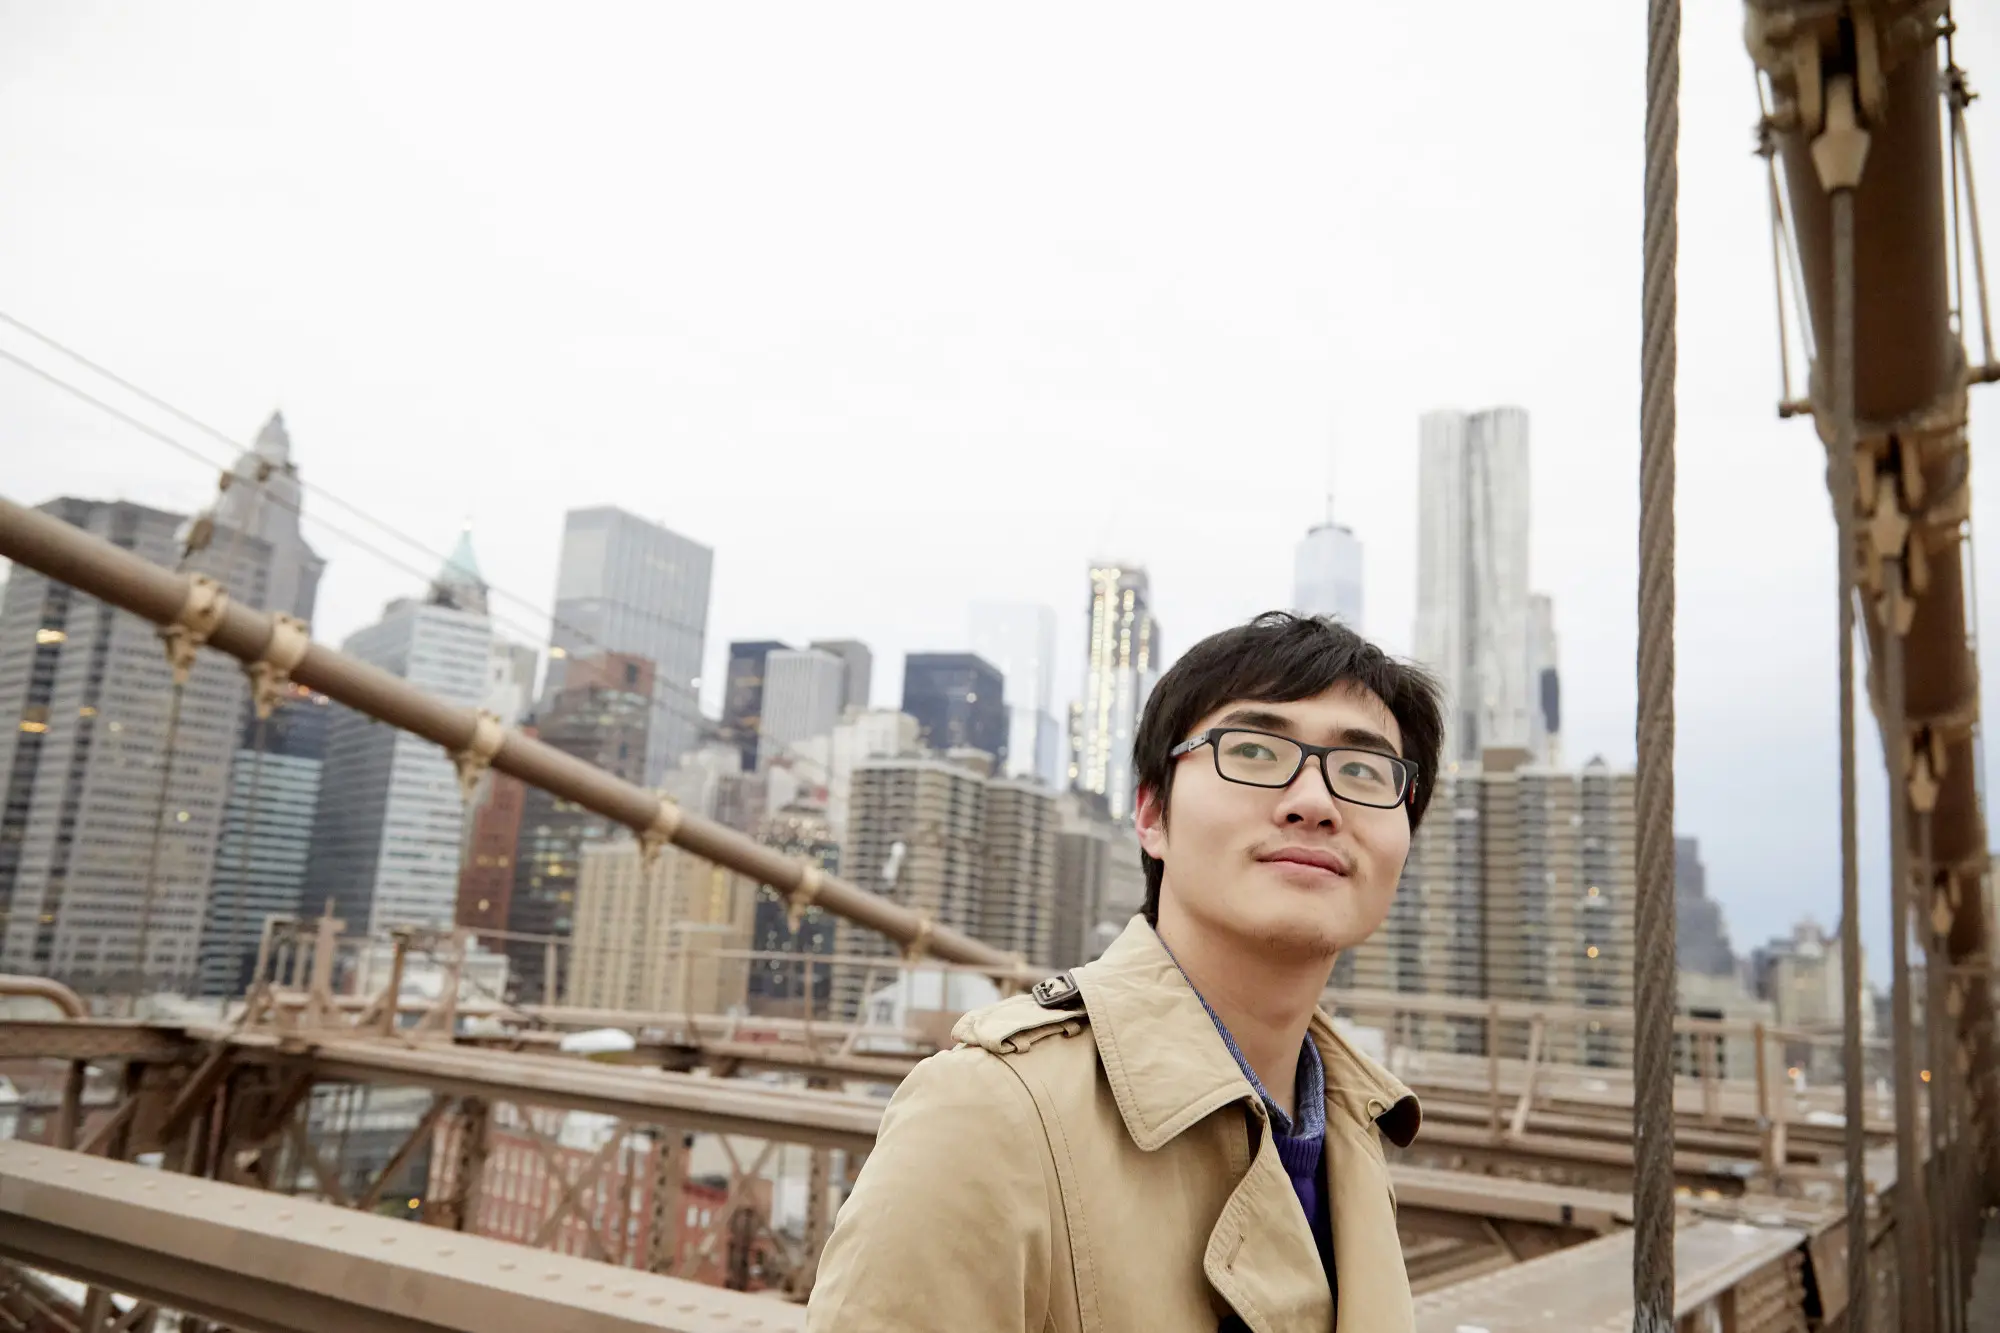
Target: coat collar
[1168, 1068]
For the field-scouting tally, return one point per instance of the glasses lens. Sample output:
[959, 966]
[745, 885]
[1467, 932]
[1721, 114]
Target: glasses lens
[1365, 778]
[1256, 759]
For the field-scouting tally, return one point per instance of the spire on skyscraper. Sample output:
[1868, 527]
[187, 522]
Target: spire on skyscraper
[274, 442]
[458, 585]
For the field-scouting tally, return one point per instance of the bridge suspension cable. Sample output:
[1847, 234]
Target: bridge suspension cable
[1653, 919]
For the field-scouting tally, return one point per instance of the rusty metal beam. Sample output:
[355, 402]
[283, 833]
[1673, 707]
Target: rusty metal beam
[648, 1096]
[89, 1039]
[265, 1263]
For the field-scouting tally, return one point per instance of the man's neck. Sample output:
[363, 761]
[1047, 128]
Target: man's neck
[1267, 1004]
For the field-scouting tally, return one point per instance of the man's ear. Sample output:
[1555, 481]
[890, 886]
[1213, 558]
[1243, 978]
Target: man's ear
[1150, 819]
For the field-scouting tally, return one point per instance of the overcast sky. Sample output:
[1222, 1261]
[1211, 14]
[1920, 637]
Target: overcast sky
[898, 307]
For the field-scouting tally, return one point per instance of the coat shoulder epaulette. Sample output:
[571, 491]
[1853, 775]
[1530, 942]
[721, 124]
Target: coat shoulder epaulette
[1051, 1008]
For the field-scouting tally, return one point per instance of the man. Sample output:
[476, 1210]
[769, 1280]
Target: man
[1174, 1138]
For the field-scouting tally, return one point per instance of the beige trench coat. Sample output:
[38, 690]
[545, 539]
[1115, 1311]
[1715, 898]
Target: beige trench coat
[1082, 1162]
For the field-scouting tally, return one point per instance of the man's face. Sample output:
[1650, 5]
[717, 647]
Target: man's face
[1238, 857]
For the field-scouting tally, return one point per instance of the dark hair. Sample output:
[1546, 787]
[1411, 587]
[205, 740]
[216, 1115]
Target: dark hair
[1281, 658]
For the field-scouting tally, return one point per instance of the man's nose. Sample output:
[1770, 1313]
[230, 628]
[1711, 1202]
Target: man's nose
[1310, 798]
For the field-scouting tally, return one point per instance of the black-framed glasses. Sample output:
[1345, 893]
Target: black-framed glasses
[1264, 759]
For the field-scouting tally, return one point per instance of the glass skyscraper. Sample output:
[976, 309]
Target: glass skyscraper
[630, 586]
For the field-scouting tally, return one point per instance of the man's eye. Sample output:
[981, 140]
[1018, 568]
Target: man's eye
[1251, 750]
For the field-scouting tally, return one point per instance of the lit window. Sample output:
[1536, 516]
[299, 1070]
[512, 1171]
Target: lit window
[181, 817]
[484, 905]
[50, 636]
[34, 728]
[1591, 952]
[86, 711]
[1593, 891]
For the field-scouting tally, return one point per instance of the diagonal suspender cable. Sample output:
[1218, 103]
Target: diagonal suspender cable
[1652, 1104]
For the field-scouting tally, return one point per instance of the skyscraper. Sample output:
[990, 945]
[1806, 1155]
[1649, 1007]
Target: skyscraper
[510, 681]
[267, 824]
[743, 695]
[1326, 572]
[1519, 886]
[264, 501]
[89, 861]
[1123, 662]
[782, 985]
[390, 825]
[958, 700]
[916, 836]
[804, 690]
[1472, 576]
[1701, 940]
[1020, 639]
[1017, 889]
[601, 716]
[1544, 682]
[860, 676]
[633, 587]
[664, 937]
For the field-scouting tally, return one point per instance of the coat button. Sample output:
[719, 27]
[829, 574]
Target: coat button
[1054, 992]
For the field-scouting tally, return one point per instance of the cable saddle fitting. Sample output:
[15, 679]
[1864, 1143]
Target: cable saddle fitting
[199, 615]
[807, 889]
[666, 823]
[271, 673]
[477, 756]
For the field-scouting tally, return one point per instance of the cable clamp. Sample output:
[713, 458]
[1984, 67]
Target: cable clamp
[666, 823]
[477, 756]
[199, 615]
[920, 943]
[271, 673]
[811, 878]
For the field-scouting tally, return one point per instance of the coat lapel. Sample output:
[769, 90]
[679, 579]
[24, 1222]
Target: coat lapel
[1261, 1257]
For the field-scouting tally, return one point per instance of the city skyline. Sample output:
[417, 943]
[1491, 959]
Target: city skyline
[424, 350]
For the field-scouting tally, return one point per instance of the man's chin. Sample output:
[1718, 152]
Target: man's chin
[1301, 937]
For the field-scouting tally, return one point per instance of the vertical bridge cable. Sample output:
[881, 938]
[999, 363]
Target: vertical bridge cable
[1841, 464]
[1840, 152]
[1652, 1102]
[1912, 1229]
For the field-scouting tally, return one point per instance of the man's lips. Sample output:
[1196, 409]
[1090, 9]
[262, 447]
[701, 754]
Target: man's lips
[1332, 862]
